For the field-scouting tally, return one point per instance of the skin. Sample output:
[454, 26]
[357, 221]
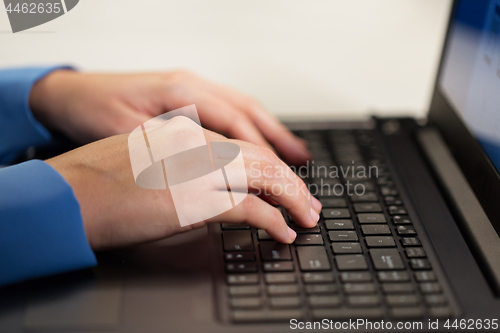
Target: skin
[115, 211]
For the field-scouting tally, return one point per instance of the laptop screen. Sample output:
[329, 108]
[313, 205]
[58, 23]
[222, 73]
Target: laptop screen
[470, 77]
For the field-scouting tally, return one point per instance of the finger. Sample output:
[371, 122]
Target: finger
[291, 147]
[268, 175]
[261, 215]
[286, 172]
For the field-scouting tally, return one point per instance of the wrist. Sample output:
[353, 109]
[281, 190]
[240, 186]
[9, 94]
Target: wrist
[48, 99]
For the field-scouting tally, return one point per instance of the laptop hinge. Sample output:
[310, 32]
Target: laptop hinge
[482, 237]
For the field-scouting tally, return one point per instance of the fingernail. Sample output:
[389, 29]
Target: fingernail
[316, 204]
[314, 215]
[292, 234]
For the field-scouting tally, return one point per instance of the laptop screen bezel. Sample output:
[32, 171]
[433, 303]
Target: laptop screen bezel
[480, 172]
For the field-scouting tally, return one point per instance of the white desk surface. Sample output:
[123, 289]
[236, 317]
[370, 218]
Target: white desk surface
[299, 57]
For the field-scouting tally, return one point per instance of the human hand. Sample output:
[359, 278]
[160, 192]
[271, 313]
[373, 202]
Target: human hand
[116, 212]
[88, 107]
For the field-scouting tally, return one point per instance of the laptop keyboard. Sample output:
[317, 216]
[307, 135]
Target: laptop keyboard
[364, 259]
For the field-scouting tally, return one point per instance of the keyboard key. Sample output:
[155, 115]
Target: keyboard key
[410, 241]
[346, 248]
[263, 235]
[375, 229]
[273, 251]
[366, 197]
[355, 276]
[317, 278]
[330, 191]
[284, 302]
[420, 264]
[321, 289]
[397, 210]
[430, 288]
[283, 289]
[242, 267]
[351, 262]
[342, 236]
[239, 256]
[285, 315]
[365, 185]
[308, 239]
[380, 241]
[426, 276]
[433, 300]
[300, 230]
[440, 312]
[344, 313]
[323, 301]
[278, 278]
[282, 266]
[313, 258]
[246, 302]
[398, 288]
[359, 288]
[392, 200]
[383, 181]
[371, 218]
[386, 259]
[363, 301]
[401, 220]
[393, 276]
[238, 240]
[258, 316]
[234, 226]
[404, 230]
[386, 190]
[336, 213]
[407, 313]
[333, 202]
[415, 252]
[236, 279]
[367, 208]
[402, 300]
[236, 291]
[339, 225]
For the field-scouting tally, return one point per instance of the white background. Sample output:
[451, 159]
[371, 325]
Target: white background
[299, 57]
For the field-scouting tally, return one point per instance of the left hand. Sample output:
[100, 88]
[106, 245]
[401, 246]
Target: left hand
[87, 107]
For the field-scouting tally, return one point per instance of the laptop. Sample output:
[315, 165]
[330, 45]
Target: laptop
[411, 243]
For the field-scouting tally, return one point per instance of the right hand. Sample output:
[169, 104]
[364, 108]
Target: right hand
[116, 212]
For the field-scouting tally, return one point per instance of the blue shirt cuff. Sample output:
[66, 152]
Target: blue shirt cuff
[41, 228]
[18, 127]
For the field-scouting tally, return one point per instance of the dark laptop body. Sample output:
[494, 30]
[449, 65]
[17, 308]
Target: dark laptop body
[440, 175]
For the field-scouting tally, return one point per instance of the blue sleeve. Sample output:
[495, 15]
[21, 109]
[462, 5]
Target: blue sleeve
[41, 228]
[18, 127]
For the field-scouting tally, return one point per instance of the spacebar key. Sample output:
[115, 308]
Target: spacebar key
[313, 258]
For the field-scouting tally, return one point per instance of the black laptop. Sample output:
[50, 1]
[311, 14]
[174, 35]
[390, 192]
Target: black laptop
[412, 243]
